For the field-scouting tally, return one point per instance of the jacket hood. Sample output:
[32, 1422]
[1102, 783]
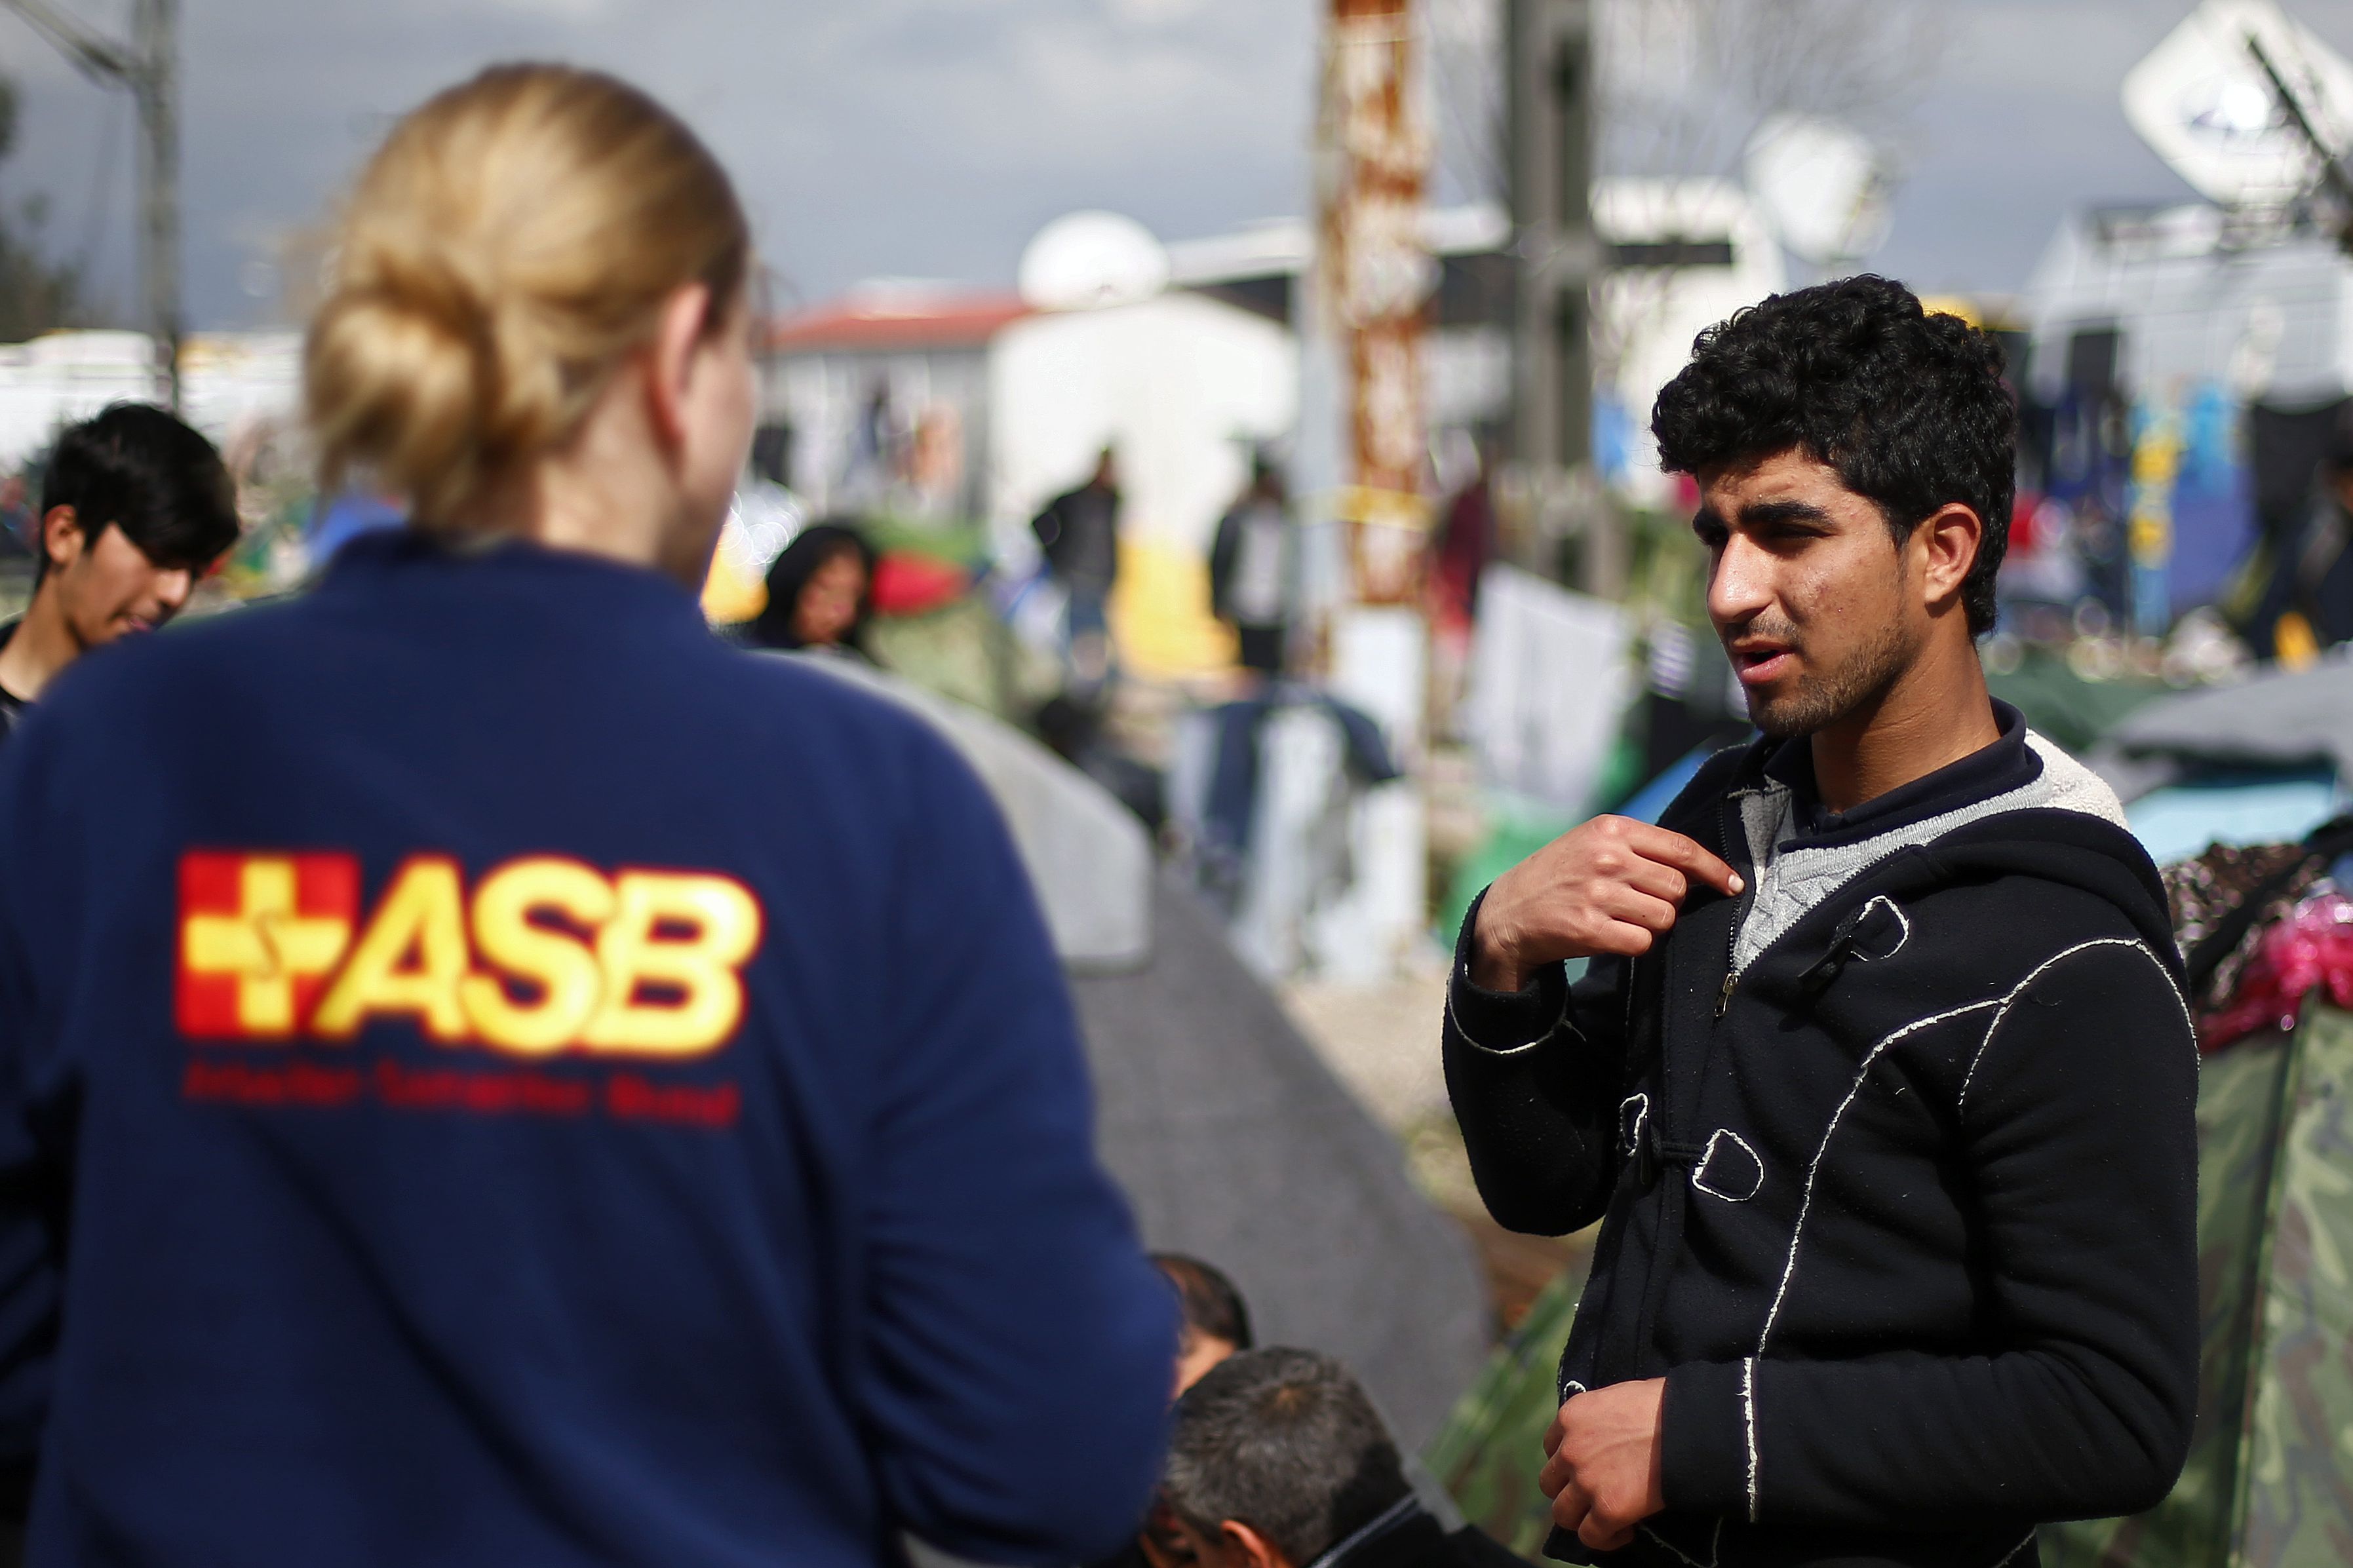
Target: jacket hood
[2065, 826]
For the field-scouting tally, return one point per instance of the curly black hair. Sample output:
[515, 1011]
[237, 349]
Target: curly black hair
[1910, 408]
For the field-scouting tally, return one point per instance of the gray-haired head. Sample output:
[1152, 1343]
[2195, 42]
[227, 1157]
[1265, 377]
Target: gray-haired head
[1286, 1442]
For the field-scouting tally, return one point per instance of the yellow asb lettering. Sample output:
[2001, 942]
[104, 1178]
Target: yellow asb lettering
[412, 958]
[561, 967]
[684, 935]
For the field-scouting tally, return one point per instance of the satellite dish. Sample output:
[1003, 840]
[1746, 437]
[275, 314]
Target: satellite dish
[1084, 260]
[2207, 107]
[1822, 187]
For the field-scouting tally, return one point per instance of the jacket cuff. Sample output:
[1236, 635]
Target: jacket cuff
[1707, 1463]
[1502, 1021]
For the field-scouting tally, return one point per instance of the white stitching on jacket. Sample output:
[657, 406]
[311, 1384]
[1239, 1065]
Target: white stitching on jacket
[1455, 1019]
[1714, 1546]
[1630, 1133]
[2004, 1560]
[1903, 921]
[1961, 1100]
[1749, 1415]
[2002, 1006]
[1699, 1172]
[1814, 1169]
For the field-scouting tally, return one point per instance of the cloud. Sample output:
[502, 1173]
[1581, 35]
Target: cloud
[934, 136]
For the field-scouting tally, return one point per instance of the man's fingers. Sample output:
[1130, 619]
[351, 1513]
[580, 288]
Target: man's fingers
[1570, 1507]
[1622, 939]
[1685, 855]
[1553, 1432]
[1602, 1536]
[1661, 881]
[1635, 907]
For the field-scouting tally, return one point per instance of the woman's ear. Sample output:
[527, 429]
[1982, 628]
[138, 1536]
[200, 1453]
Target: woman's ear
[685, 322]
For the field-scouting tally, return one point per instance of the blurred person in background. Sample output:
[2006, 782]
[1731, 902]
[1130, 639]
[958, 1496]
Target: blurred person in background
[1079, 530]
[135, 507]
[1216, 1319]
[1254, 569]
[1280, 1460]
[820, 592]
[541, 1085]
[2308, 602]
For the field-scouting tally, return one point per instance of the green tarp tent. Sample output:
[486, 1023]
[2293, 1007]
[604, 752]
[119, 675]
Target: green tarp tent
[2270, 1479]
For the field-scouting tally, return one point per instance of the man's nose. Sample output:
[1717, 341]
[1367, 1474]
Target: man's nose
[1740, 584]
[172, 588]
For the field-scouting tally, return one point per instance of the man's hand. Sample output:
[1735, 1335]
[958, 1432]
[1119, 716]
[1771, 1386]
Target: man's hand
[1603, 1476]
[1613, 885]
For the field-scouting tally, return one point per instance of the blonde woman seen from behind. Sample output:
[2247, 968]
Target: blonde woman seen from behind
[491, 1075]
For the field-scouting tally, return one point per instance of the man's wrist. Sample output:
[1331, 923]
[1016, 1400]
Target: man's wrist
[1501, 1020]
[1492, 965]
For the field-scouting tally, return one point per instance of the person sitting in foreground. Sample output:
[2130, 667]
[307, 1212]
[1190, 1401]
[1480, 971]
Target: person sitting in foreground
[1217, 1320]
[1279, 1461]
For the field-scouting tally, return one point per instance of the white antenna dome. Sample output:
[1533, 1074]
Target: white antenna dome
[1824, 187]
[1087, 259]
[2206, 106]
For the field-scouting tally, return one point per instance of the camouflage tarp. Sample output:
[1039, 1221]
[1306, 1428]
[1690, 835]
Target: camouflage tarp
[1488, 1453]
[2270, 1479]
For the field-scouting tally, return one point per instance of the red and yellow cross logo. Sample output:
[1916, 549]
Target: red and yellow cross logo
[547, 954]
[259, 937]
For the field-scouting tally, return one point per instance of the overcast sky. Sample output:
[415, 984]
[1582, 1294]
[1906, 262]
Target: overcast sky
[931, 138]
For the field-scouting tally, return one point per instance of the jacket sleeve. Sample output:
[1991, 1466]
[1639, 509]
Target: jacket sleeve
[1020, 1346]
[1535, 1079]
[2076, 1135]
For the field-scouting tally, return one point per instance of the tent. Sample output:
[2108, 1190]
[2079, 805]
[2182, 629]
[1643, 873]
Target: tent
[1229, 1135]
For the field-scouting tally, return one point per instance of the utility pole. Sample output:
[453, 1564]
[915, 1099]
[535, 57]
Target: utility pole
[146, 67]
[1364, 439]
[1550, 92]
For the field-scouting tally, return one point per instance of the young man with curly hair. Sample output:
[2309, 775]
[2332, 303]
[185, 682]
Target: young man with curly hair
[1878, 1077]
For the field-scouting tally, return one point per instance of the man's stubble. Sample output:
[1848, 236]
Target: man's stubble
[1822, 700]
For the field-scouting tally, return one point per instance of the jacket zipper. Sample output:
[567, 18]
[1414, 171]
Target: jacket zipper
[1732, 947]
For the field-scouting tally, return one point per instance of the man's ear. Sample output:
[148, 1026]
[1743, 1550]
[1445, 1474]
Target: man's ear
[61, 536]
[1947, 546]
[1246, 1548]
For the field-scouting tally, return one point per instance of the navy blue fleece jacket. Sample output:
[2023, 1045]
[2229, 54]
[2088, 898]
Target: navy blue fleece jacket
[489, 1075]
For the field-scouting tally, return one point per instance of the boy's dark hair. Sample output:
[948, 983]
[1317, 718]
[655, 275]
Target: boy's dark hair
[1210, 1303]
[135, 467]
[1910, 408]
[1287, 1442]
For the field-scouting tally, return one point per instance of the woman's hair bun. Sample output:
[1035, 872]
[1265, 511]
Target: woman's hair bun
[509, 243]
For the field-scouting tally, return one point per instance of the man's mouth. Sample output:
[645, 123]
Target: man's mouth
[1761, 664]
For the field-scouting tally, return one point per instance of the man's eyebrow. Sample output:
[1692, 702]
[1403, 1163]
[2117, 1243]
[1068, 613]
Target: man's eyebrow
[1764, 513]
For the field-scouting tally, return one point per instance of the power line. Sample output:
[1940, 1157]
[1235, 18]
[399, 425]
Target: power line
[146, 66]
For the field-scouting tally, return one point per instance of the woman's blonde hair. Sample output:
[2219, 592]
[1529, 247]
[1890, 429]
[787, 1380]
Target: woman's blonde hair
[509, 245]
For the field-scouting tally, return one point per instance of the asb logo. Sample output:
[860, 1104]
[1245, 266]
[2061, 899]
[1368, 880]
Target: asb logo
[547, 955]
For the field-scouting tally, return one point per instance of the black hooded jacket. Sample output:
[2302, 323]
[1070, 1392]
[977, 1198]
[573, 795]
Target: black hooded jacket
[1896, 1165]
